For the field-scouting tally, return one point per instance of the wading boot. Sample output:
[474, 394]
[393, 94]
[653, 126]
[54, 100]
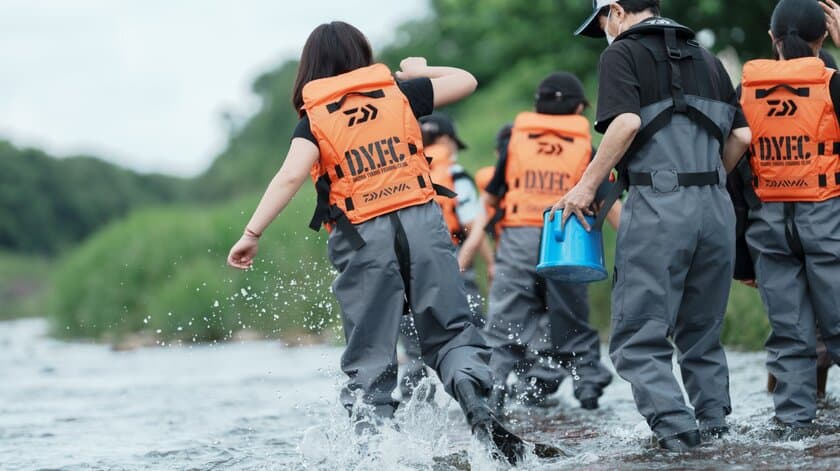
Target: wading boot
[502, 444]
[681, 442]
[496, 400]
[822, 380]
[714, 433]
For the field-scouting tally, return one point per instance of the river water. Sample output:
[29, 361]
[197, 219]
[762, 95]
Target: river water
[258, 405]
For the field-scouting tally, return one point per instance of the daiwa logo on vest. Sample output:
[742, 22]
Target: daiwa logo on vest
[782, 148]
[361, 115]
[374, 158]
[543, 181]
[386, 192]
[549, 148]
[788, 108]
[786, 183]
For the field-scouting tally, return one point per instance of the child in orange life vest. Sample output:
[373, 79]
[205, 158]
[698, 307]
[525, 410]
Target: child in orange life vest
[442, 145]
[483, 178]
[792, 227]
[359, 138]
[547, 153]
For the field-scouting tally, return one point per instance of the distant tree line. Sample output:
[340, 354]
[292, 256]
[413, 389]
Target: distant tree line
[48, 204]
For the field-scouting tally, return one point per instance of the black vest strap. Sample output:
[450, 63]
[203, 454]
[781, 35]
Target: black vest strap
[322, 207]
[324, 212]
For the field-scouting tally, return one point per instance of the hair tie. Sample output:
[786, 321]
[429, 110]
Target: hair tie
[792, 32]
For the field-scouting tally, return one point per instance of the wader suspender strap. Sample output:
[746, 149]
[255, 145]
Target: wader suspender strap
[401, 249]
[792, 233]
[675, 55]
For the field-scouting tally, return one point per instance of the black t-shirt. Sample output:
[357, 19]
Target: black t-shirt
[628, 81]
[420, 96]
[498, 185]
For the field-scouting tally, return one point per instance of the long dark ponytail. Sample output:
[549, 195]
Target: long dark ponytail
[796, 25]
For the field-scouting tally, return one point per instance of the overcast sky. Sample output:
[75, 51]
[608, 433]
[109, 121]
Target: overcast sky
[143, 82]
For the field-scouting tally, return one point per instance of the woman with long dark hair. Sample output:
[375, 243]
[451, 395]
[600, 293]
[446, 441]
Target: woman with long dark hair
[359, 139]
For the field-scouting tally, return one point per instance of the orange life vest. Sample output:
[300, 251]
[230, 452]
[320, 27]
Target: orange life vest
[547, 156]
[795, 152]
[441, 171]
[482, 180]
[372, 161]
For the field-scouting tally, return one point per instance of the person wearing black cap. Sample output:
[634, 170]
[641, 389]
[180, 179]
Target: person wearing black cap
[442, 144]
[545, 154]
[673, 126]
[795, 194]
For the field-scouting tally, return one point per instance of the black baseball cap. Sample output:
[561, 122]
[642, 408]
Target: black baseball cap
[438, 124]
[561, 86]
[591, 27]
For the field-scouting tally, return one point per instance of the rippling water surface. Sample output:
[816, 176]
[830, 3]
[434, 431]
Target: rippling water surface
[261, 406]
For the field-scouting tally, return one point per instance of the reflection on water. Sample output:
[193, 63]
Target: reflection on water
[260, 406]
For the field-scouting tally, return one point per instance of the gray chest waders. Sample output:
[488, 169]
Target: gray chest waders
[674, 254]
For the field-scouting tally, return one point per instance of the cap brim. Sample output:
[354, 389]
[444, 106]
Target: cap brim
[591, 27]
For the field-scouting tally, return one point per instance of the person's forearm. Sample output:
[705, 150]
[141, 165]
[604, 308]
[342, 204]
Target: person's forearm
[736, 145]
[614, 216]
[486, 252]
[475, 235]
[616, 142]
[433, 71]
[277, 196]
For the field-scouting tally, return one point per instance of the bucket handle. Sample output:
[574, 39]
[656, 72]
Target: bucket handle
[559, 227]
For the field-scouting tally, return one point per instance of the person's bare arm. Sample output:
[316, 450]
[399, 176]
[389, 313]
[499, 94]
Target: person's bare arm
[476, 235]
[736, 145]
[292, 174]
[486, 252]
[617, 141]
[450, 84]
[614, 216]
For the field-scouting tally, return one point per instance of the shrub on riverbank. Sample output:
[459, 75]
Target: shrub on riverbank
[23, 279]
[162, 271]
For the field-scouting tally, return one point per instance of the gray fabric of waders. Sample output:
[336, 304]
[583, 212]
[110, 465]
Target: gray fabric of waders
[796, 251]
[674, 263]
[372, 295]
[520, 300]
[414, 370]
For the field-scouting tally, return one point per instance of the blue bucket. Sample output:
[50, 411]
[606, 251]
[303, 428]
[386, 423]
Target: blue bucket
[570, 254]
